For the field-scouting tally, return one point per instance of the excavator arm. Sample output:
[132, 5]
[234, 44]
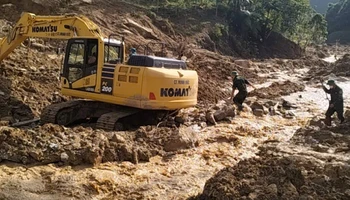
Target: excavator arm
[54, 27]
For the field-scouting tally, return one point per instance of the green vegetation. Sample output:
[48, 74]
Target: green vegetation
[255, 20]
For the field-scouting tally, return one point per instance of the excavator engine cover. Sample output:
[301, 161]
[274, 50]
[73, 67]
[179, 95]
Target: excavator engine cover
[153, 61]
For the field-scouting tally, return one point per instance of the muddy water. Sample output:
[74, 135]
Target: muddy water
[313, 101]
[175, 176]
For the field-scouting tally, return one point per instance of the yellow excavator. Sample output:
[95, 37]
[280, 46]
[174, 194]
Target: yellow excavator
[109, 87]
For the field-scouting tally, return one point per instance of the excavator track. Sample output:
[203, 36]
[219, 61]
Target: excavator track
[49, 114]
[107, 115]
[109, 121]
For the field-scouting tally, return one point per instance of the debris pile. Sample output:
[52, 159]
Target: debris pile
[56, 144]
[342, 66]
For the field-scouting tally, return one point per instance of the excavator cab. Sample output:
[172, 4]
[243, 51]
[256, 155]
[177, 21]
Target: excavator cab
[82, 58]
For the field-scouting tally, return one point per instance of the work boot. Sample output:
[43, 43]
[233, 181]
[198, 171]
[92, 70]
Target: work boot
[328, 121]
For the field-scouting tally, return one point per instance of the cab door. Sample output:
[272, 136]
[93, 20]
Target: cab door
[80, 65]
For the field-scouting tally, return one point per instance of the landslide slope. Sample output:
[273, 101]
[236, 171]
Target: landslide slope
[30, 75]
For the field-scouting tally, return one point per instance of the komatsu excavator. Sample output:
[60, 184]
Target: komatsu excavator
[109, 88]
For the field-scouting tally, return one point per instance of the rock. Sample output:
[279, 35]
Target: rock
[117, 138]
[2, 93]
[94, 156]
[203, 124]
[269, 103]
[202, 117]
[8, 120]
[110, 155]
[321, 54]
[321, 148]
[253, 195]
[316, 122]
[347, 192]
[230, 112]
[53, 146]
[258, 112]
[37, 155]
[347, 114]
[266, 110]
[244, 63]
[250, 100]
[257, 105]
[183, 138]
[272, 189]
[219, 115]
[180, 119]
[64, 157]
[289, 115]
[287, 105]
[210, 118]
[289, 191]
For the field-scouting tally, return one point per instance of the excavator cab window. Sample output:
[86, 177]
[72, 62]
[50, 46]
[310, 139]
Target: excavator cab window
[81, 59]
[113, 55]
[76, 61]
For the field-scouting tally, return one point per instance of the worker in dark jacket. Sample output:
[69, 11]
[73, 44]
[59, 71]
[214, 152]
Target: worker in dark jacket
[132, 52]
[336, 104]
[239, 83]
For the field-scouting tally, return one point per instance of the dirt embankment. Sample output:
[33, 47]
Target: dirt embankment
[56, 144]
[278, 89]
[29, 83]
[313, 166]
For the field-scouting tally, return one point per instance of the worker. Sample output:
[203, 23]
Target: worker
[92, 59]
[239, 83]
[132, 52]
[336, 104]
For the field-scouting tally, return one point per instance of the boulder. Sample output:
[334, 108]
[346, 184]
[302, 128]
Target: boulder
[250, 100]
[184, 138]
[316, 121]
[219, 115]
[180, 119]
[210, 118]
[258, 112]
[257, 105]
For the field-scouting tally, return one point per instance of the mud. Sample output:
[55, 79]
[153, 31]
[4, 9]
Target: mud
[174, 159]
[278, 89]
[317, 169]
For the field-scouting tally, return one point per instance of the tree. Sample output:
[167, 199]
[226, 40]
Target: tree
[318, 27]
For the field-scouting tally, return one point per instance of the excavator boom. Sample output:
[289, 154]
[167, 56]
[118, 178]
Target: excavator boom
[54, 27]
